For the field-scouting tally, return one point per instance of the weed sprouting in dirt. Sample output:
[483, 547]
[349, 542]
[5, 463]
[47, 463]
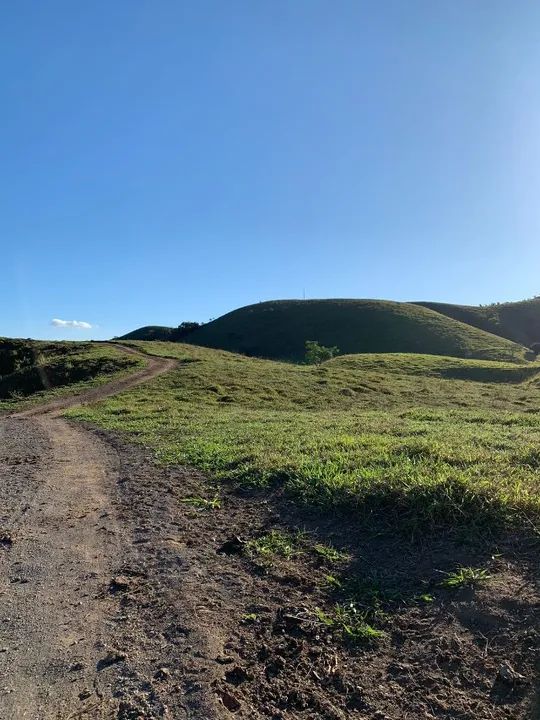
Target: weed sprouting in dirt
[202, 503]
[465, 576]
[330, 554]
[271, 544]
[350, 621]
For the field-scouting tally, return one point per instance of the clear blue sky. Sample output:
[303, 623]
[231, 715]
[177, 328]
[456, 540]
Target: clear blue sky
[171, 160]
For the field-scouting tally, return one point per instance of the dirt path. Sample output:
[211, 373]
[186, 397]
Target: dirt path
[61, 541]
[154, 366]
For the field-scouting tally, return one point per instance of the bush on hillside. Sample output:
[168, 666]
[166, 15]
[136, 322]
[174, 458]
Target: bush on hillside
[317, 354]
[186, 328]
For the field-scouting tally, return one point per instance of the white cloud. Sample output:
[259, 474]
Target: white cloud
[79, 324]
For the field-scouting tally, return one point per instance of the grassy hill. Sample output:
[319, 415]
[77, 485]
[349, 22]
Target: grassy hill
[151, 332]
[279, 330]
[517, 321]
[31, 370]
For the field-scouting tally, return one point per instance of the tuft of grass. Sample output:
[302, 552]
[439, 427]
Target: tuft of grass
[332, 582]
[330, 553]
[350, 622]
[272, 544]
[203, 503]
[465, 576]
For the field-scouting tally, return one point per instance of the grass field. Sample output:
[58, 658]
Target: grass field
[32, 371]
[428, 440]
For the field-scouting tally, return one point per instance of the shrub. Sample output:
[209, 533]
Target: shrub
[317, 354]
[185, 329]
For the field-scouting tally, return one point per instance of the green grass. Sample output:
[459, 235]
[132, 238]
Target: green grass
[350, 622]
[273, 543]
[465, 576]
[517, 321]
[202, 503]
[280, 329]
[330, 554]
[34, 371]
[390, 434]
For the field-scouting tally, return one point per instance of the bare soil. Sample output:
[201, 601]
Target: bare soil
[118, 600]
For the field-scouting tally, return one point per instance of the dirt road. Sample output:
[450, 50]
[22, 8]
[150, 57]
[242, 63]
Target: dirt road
[60, 544]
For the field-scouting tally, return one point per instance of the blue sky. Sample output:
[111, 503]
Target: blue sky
[172, 160]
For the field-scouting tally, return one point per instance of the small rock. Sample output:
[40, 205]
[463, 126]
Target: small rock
[77, 666]
[6, 539]
[111, 658]
[224, 659]
[230, 702]
[509, 675]
[298, 700]
[237, 675]
[233, 546]
[162, 673]
[85, 694]
[120, 583]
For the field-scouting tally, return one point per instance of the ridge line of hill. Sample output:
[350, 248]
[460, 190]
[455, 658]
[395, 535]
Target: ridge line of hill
[278, 330]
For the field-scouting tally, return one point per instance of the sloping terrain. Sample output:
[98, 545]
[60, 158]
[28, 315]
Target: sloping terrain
[517, 321]
[363, 540]
[32, 370]
[280, 329]
[151, 332]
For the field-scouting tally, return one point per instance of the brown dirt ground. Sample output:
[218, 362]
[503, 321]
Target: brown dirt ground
[439, 660]
[116, 602]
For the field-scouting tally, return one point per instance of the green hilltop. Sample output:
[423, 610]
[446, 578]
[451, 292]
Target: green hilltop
[150, 332]
[279, 329]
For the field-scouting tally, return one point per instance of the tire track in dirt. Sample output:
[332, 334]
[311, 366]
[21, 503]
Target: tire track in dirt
[61, 544]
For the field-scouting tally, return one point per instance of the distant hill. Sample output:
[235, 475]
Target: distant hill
[279, 329]
[151, 332]
[517, 321]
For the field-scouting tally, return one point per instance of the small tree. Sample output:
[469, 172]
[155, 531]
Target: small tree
[186, 328]
[317, 354]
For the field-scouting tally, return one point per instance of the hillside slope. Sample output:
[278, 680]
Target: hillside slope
[279, 330]
[150, 332]
[517, 321]
[34, 370]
